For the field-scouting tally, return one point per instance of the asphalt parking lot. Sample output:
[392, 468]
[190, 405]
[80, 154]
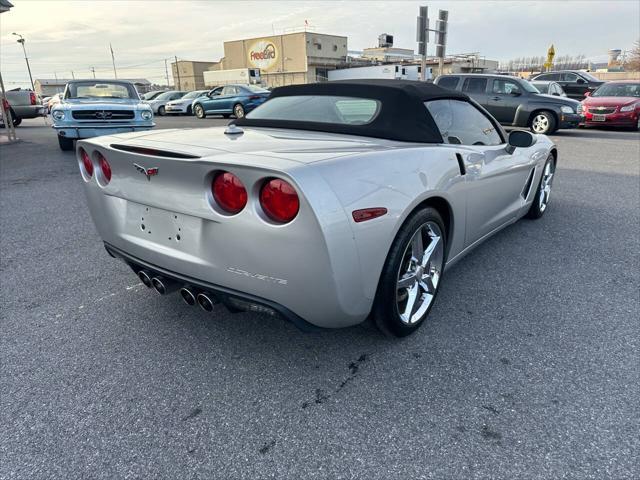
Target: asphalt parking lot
[527, 368]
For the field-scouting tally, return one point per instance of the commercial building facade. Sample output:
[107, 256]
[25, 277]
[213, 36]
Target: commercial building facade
[301, 57]
[189, 75]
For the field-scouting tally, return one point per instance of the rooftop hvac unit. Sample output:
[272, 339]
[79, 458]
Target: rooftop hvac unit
[385, 40]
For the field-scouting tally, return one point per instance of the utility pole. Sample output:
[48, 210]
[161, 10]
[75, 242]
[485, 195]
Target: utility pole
[21, 42]
[178, 73]
[422, 37]
[72, 75]
[166, 72]
[93, 70]
[6, 115]
[113, 60]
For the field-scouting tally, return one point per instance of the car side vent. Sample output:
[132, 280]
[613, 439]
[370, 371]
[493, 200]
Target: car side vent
[461, 166]
[527, 185]
[151, 151]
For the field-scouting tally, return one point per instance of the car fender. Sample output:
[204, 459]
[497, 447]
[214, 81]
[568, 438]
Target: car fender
[399, 180]
[525, 110]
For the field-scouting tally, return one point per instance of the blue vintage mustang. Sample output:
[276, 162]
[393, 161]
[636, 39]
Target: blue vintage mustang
[90, 108]
[230, 100]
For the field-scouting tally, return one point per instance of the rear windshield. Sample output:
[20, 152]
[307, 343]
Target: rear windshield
[91, 89]
[196, 94]
[319, 108]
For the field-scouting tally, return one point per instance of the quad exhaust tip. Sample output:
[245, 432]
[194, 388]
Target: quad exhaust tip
[163, 285]
[206, 302]
[145, 278]
[188, 296]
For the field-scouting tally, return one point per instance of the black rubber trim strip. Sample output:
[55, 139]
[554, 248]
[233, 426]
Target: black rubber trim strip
[222, 292]
[463, 169]
[151, 151]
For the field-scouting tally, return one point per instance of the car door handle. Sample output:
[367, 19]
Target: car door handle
[496, 98]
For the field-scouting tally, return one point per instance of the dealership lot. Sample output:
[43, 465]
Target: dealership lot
[528, 362]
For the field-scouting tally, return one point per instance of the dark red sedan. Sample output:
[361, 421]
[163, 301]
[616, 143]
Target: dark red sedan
[615, 104]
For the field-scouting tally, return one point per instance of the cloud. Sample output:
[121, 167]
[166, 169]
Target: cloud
[75, 35]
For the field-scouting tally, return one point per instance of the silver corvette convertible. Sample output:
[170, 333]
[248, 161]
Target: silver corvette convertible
[327, 205]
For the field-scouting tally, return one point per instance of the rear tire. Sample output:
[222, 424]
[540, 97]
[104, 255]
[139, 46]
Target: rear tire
[162, 112]
[543, 191]
[66, 144]
[199, 111]
[238, 110]
[543, 123]
[16, 119]
[411, 275]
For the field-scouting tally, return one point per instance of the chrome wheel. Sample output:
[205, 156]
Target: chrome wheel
[238, 111]
[540, 123]
[545, 185]
[199, 111]
[419, 273]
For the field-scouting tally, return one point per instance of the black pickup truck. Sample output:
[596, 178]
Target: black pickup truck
[515, 102]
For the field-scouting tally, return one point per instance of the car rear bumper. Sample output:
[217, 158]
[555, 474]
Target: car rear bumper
[234, 300]
[90, 131]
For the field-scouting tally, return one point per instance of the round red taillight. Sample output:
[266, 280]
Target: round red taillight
[86, 162]
[104, 167]
[229, 192]
[279, 200]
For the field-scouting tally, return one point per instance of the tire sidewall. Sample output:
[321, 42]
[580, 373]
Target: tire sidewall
[385, 309]
[199, 111]
[161, 111]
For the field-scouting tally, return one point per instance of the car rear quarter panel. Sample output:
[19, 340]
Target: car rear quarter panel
[399, 180]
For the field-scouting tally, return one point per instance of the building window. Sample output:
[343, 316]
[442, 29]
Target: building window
[335, 48]
[319, 46]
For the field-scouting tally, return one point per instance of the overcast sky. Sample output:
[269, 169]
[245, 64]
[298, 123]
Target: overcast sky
[74, 35]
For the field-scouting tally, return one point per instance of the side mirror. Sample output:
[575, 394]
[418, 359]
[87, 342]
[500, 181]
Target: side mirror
[587, 94]
[516, 93]
[521, 139]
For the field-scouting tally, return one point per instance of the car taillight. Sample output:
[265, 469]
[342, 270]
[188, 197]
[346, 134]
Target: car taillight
[105, 168]
[279, 200]
[32, 98]
[255, 97]
[229, 192]
[86, 162]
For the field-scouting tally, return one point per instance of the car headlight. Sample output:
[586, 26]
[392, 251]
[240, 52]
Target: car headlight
[146, 115]
[58, 114]
[629, 108]
[567, 109]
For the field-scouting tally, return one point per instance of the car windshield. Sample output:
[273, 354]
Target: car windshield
[197, 94]
[542, 87]
[319, 109]
[589, 77]
[618, 90]
[529, 87]
[151, 95]
[255, 89]
[166, 96]
[100, 89]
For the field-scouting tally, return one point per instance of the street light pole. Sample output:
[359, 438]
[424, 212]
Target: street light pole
[21, 41]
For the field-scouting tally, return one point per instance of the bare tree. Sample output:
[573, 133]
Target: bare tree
[633, 61]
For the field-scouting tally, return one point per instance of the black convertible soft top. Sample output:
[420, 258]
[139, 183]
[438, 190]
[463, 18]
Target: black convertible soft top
[402, 116]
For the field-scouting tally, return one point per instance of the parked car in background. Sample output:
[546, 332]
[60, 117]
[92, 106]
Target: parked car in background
[158, 104]
[53, 101]
[90, 108]
[575, 83]
[151, 95]
[23, 104]
[183, 106]
[237, 100]
[377, 186]
[514, 102]
[613, 104]
[549, 88]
